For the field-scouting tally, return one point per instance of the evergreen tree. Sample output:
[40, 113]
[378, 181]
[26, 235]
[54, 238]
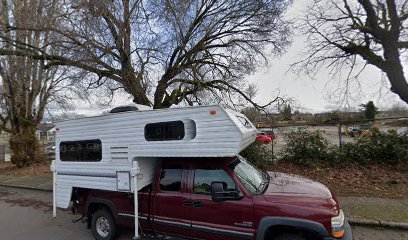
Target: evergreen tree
[370, 110]
[287, 112]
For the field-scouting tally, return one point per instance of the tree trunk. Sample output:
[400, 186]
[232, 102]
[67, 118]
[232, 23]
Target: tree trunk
[132, 83]
[394, 69]
[398, 84]
[25, 147]
[27, 86]
[159, 94]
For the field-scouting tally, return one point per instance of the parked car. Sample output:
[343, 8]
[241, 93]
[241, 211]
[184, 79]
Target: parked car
[270, 134]
[221, 199]
[353, 131]
[263, 138]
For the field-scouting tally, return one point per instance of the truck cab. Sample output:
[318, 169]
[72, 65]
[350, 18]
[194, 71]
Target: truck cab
[218, 198]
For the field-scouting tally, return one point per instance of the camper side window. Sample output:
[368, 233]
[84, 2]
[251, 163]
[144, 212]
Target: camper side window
[81, 151]
[163, 131]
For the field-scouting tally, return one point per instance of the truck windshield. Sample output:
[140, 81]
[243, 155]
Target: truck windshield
[250, 176]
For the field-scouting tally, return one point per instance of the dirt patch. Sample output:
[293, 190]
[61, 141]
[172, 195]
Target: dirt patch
[385, 181]
[29, 203]
[16, 200]
[4, 194]
[37, 169]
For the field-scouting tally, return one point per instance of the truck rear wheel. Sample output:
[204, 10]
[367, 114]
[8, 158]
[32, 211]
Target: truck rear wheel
[103, 225]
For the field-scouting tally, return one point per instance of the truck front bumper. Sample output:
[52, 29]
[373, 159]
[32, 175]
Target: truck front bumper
[348, 235]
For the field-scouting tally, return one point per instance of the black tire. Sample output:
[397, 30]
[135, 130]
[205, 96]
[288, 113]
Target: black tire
[289, 236]
[103, 225]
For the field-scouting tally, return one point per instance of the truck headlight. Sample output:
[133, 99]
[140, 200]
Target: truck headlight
[337, 225]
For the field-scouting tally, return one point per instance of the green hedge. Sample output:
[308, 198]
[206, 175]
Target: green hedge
[258, 154]
[377, 148]
[310, 148]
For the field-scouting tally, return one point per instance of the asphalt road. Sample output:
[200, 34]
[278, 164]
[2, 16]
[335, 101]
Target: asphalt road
[26, 214]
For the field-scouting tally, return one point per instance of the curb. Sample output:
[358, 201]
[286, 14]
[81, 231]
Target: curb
[377, 223]
[26, 187]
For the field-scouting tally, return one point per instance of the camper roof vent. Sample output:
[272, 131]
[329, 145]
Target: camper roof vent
[124, 109]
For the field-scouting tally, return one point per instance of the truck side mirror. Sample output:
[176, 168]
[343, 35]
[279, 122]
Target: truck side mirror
[218, 194]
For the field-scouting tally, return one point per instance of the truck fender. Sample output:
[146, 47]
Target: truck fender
[109, 204]
[302, 224]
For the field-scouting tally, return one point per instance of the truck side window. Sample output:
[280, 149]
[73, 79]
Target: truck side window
[170, 180]
[204, 177]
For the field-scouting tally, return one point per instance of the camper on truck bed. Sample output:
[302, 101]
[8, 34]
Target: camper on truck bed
[191, 182]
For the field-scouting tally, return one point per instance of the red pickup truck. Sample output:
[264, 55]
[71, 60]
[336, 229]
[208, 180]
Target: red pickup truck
[218, 198]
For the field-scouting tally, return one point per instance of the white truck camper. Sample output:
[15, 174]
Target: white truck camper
[119, 151]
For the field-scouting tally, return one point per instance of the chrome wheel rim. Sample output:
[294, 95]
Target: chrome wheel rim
[102, 226]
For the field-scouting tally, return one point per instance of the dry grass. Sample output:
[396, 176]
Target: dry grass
[37, 169]
[387, 181]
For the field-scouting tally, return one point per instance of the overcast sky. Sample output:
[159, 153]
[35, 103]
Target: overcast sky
[308, 95]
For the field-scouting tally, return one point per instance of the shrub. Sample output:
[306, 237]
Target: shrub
[258, 154]
[378, 148]
[308, 148]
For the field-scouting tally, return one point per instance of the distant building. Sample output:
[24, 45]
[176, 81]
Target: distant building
[4, 148]
[4, 137]
[45, 132]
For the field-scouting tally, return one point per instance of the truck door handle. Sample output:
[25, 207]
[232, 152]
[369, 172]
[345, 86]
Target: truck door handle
[186, 204]
[197, 205]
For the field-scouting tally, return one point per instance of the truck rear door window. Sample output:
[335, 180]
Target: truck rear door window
[81, 151]
[170, 180]
[204, 177]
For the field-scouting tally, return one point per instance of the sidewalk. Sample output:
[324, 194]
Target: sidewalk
[376, 211]
[358, 210]
[43, 183]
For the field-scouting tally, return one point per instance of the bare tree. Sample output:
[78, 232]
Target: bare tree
[215, 42]
[342, 32]
[164, 52]
[26, 84]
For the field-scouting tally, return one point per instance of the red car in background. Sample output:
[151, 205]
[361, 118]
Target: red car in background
[262, 137]
[270, 134]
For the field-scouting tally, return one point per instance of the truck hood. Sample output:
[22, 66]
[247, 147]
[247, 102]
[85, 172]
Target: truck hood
[286, 184]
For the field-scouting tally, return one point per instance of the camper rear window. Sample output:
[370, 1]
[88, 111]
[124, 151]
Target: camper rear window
[81, 151]
[163, 131]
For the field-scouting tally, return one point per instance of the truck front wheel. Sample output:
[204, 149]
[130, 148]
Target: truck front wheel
[103, 225]
[289, 236]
